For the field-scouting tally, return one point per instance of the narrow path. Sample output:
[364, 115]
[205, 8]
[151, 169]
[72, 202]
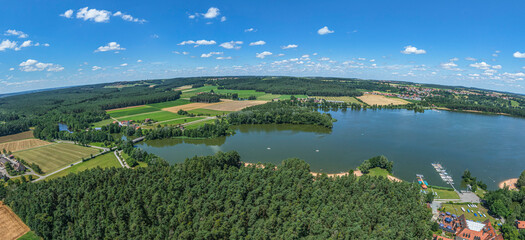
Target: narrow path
[198, 121]
[122, 162]
[62, 169]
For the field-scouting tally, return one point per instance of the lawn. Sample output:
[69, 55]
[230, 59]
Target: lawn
[157, 116]
[378, 172]
[287, 97]
[344, 99]
[16, 137]
[455, 208]
[29, 236]
[103, 123]
[131, 111]
[268, 97]
[207, 112]
[444, 194]
[181, 121]
[107, 160]
[55, 156]
[162, 105]
[514, 103]
[199, 124]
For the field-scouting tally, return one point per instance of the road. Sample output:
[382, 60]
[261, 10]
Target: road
[122, 162]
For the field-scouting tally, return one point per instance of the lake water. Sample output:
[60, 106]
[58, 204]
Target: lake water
[491, 147]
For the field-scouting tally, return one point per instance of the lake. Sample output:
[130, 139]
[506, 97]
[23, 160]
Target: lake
[492, 147]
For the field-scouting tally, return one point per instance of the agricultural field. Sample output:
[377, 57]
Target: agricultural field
[162, 105]
[232, 106]
[11, 226]
[372, 99]
[344, 99]
[23, 144]
[157, 116]
[16, 137]
[103, 123]
[445, 194]
[199, 124]
[55, 156]
[188, 107]
[181, 88]
[514, 103]
[107, 160]
[207, 112]
[131, 111]
[287, 97]
[29, 236]
[182, 121]
[268, 97]
[455, 208]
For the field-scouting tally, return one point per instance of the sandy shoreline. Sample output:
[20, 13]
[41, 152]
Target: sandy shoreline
[511, 183]
[357, 173]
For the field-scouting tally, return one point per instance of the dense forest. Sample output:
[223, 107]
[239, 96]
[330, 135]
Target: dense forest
[216, 197]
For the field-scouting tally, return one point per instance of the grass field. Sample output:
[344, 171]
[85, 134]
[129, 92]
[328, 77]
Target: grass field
[372, 99]
[181, 121]
[107, 160]
[207, 112]
[162, 105]
[514, 103]
[29, 236]
[131, 111]
[11, 227]
[234, 105]
[55, 156]
[344, 99]
[103, 123]
[445, 194]
[455, 208]
[287, 97]
[268, 97]
[244, 94]
[16, 137]
[22, 144]
[378, 172]
[199, 124]
[157, 116]
[25, 176]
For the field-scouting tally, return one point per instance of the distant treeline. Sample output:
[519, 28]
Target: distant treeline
[480, 103]
[216, 197]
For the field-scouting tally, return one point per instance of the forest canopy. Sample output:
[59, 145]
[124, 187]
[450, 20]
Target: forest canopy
[216, 197]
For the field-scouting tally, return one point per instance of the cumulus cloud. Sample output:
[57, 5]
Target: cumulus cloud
[480, 65]
[258, 43]
[7, 44]
[67, 14]
[198, 42]
[223, 58]
[450, 66]
[470, 59]
[207, 55]
[95, 68]
[213, 12]
[413, 50]
[12, 32]
[99, 16]
[31, 65]
[263, 54]
[223, 19]
[289, 46]
[250, 30]
[27, 43]
[139, 61]
[231, 45]
[324, 30]
[112, 46]
[124, 64]
[519, 55]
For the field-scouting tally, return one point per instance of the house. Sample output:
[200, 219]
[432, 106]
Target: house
[3, 162]
[467, 229]
[436, 237]
[18, 166]
[520, 224]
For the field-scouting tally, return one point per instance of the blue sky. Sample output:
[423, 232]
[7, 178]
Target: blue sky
[47, 44]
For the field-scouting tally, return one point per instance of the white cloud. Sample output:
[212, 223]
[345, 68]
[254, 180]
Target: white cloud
[223, 58]
[324, 59]
[124, 64]
[207, 55]
[212, 13]
[496, 67]
[112, 46]
[263, 54]
[280, 55]
[11, 69]
[12, 32]
[519, 55]
[324, 30]
[93, 14]
[250, 30]
[7, 44]
[454, 59]
[27, 43]
[127, 17]
[258, 43]
[191, 16]
[231, 45]
[289, 46]
[198, 42]
[223, 19]
[139, 61]
[31, 65]
[413, 50]
[480, 65]
[95, 68]
[67, 14]
[470, 59]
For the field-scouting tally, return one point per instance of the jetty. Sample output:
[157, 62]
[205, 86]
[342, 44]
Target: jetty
[444, 175]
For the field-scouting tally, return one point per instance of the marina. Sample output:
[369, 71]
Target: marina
[443, 174]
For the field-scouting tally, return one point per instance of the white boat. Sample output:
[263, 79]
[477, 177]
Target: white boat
[463, 209]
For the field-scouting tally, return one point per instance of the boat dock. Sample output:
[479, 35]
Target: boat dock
[443, 174]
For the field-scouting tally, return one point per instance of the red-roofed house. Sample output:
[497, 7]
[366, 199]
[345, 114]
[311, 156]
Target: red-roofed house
[520, 224]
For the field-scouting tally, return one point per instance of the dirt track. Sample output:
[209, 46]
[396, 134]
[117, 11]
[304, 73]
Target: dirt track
[11, 227]
[234, 105]
[372, 99]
